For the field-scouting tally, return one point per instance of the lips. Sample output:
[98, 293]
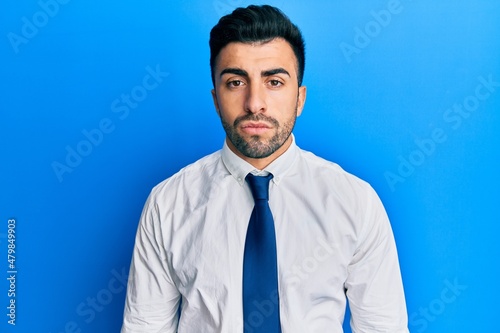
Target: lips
[255, 128]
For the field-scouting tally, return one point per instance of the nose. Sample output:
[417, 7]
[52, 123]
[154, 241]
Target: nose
[255, 99]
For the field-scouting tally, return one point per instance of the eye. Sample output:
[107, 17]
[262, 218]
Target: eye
[235, 83]
[275, 83]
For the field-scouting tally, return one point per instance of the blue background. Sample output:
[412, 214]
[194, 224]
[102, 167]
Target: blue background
[381, 95]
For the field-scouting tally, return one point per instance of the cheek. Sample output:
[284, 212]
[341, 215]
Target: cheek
[230, 106]
[283, 103]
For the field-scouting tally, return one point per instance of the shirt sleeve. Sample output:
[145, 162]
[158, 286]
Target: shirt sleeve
[152, 298]
[374, 287]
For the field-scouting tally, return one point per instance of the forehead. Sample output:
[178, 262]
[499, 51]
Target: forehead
[275, 53]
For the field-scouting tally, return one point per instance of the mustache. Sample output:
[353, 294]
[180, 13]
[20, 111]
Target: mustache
[256, 118]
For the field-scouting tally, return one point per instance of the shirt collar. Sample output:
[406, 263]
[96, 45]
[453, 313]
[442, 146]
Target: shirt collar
[240, 168]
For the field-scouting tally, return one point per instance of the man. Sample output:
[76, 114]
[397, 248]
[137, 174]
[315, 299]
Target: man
[262, 236]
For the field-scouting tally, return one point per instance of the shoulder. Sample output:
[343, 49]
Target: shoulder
[330, 171]
[191, 176]
[331, 180]
[357, 197]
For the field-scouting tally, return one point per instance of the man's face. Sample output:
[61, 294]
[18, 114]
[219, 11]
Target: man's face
[257, 97]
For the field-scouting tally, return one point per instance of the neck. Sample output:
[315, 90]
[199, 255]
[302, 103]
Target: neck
[261, 163]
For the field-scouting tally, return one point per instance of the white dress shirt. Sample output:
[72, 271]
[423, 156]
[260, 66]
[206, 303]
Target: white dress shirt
[333, 240]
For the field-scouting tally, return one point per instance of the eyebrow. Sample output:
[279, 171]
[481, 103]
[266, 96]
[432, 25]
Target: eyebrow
[275, 71]
[266, 73]
[235, 71]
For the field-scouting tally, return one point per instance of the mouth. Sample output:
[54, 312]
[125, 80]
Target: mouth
[255, 128]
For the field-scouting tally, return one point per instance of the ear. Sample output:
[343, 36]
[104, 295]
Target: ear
[301, 100]
[216, 102]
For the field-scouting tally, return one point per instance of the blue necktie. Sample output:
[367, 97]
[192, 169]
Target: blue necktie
[260, 269]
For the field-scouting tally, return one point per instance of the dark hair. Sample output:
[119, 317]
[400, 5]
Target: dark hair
[256, 24]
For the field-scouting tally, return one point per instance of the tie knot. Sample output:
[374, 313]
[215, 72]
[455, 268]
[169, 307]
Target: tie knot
[259, 185]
